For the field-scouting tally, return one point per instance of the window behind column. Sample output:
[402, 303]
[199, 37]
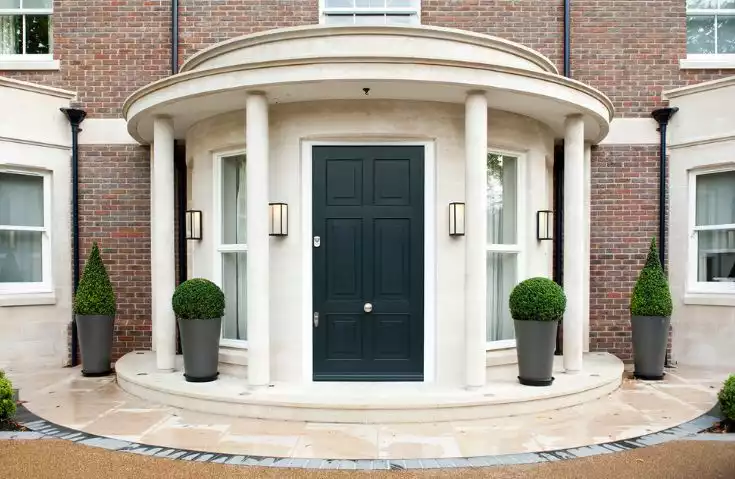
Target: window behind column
[25, 27]
[503, 244]
[370, 12]
[25, 253]
[232, 246]
[712, 232]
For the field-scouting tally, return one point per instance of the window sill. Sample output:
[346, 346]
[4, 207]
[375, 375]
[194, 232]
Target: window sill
[27, 64]
[707, 63]
[710, 299]
[27, 299]
[233, 356]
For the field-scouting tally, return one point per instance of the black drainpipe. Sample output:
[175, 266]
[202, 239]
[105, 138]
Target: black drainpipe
[76, 117]
[559, 183]
[662, 116]
[175, 37]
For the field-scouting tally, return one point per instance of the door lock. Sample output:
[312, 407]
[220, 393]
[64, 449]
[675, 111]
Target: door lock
[317, 241]
[316, 320]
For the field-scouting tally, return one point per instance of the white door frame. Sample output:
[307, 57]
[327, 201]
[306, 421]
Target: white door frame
[429, 250]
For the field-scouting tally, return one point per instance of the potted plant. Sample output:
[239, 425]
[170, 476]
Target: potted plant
[94, 307]
[7, 404]
[726, 398]
[536, 305]
[199, 306]
[650, 310]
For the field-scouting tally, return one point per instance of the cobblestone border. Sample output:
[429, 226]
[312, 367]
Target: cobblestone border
[42, 429]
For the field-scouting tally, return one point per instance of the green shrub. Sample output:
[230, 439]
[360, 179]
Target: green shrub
[198, 298]
[537, 299]
[7, 405]
[726, 396]
[94, 294]
[651, 295]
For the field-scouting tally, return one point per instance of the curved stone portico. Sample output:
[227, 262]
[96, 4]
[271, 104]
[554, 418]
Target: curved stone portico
[452, 96]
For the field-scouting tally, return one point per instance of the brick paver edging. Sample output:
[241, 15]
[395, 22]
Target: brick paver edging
[42, 429]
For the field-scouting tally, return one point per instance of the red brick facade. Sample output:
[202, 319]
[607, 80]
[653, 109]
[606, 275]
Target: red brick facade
[630, 50]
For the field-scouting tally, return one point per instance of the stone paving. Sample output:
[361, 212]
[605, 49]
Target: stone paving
[95, 412]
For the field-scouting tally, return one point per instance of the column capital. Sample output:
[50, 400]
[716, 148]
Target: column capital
[476, 93]
[163, 117]
[255, 93]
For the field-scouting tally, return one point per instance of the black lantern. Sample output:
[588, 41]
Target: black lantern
[456, 219]
[279, 219]
[545, 225]
[193, 225]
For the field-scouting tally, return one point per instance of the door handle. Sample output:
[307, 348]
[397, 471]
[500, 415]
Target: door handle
[368, 308]
[316, 320]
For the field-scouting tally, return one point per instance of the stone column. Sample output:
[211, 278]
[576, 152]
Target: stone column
[587, 247]
[574, 234]
[163, 268]
[256, 138]
[476, 237]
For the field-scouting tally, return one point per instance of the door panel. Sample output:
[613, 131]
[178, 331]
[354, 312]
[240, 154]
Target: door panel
[368, 213]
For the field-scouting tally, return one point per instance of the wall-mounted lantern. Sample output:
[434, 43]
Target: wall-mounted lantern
[545, 225]
[194, 225]
[456, 219]
[279, 219]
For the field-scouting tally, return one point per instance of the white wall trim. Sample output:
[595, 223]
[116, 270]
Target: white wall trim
[430, 320]
[105, 131]
[699, 87]
[35, 87]
[632, 131]
[704, 141]
[42, 144]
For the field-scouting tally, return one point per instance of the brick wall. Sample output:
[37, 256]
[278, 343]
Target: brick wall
[114, 210]
[624, 219]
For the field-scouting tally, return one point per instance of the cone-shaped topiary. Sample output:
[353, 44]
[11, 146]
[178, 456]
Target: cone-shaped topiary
[726, 396]
[95, 296]
[7, 405]
[537, 299]
[651, 295]
[198, 298]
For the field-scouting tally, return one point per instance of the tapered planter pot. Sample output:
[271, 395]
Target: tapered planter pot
[95, 343]
[535, 345]
[650, 338]
[200, 345]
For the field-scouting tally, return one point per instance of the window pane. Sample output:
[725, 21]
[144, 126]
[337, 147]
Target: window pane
[716, 256]
[399, 3]
[20, 257]
[234, 201]
[700, 34]
[38, 3]
[716, 199]
[701, 3]
[398, 19]
[11, 34]
[21, 200]
[369, 19]
[339, 3]
[9, 4]
[340, 19]
[725, 34]
[501, 278]
[234, 281]
[502, 181]
[37, 34]
[727, 3]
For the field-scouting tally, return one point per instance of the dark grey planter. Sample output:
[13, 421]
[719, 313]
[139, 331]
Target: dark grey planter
[95, 343]
[650, 337]
[535, 345]
[200, 345]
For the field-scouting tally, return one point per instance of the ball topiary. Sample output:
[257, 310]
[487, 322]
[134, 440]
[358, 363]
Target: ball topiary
[651, 295]
[198, 298]
[726, 396]
[94, 293]
[7, 404]
[537, 299]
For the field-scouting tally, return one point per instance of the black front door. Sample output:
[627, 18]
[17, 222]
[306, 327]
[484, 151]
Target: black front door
[368, 213]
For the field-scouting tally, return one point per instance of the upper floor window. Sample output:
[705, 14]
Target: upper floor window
[712, 232]
[370, 12]
[710, 27]
[25, 27]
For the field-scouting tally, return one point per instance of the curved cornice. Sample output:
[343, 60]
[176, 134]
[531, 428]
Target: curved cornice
[550, 77]
[316, 31]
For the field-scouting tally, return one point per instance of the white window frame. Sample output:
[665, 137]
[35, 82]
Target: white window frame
[30, 61]
[219, 247]
[693, 284]
[517, 248]
[414, 11]
[709, 60]
[46, 283]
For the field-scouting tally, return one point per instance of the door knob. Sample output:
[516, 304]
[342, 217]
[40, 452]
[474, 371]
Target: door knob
[368, 307]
